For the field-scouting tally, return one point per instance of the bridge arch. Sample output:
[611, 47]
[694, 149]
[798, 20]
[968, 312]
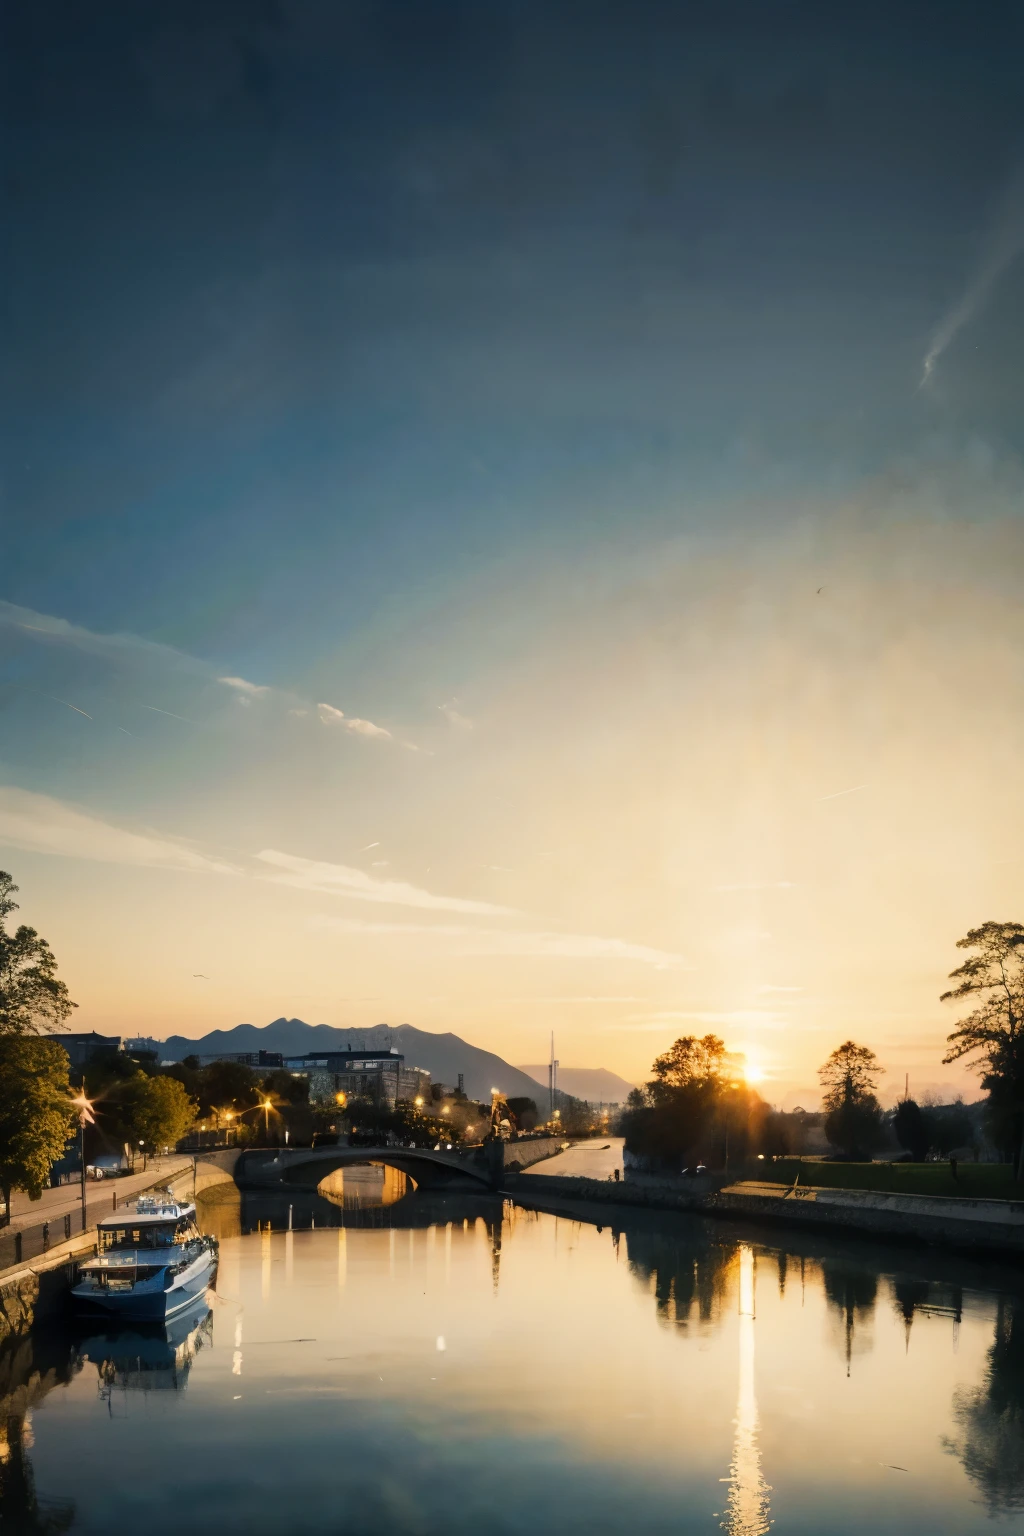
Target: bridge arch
[307, 1167]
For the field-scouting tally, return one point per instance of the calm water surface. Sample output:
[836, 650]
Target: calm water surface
[415, 1364]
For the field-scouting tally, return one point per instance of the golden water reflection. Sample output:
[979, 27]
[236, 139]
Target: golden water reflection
[664, 1375]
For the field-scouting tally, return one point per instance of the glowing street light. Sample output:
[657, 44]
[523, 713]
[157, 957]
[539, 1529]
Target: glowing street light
[85, 1117]
[418, 1101]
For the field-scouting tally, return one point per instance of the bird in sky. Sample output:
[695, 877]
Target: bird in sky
[820, 590]
[198, 976]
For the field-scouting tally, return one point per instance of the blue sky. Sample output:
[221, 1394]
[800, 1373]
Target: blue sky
[489, 373]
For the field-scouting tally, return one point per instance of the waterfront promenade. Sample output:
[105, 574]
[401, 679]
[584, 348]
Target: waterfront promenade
[54, 1204]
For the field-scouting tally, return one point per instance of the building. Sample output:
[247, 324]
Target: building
[142, 1045]
[380, 1076]
[265, 1060]
[81, 1047]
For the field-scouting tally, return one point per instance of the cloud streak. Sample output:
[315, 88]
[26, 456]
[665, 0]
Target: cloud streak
[39, 824]
[1001, 246]
[516, 942]
[46, 629]
[344, 880]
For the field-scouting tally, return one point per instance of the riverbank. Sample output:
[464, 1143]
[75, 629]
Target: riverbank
[964, 1225]
[35, 1290]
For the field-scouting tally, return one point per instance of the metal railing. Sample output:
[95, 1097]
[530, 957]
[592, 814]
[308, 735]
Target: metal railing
[25, 1244]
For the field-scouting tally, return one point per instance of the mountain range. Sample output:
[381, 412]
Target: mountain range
[595, 1084]
[443, 1056]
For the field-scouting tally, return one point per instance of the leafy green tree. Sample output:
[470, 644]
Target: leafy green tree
[154, 1110]
[992, 979]
[32, 999]
[911, 1129]
[36, 1114]
[853, 1115]
[227, 1085]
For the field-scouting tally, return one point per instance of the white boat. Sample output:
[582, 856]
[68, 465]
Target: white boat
[152, 1261]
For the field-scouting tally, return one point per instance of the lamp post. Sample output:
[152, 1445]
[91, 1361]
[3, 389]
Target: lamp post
[85, 1117]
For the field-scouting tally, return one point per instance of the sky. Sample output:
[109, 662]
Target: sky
[511, 518]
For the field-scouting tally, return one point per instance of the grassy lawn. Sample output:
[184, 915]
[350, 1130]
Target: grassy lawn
[988, 1181]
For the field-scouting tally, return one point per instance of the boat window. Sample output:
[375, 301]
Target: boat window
[155, 1236]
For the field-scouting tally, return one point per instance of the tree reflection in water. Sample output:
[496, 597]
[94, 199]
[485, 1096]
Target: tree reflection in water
[30, 1367]
[688, 1271]
[851, 1294]
[991, 1418]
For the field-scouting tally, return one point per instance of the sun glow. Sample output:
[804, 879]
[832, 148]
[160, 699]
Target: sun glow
[753, 1071]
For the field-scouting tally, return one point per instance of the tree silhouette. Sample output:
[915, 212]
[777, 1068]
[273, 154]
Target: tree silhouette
[32, 999]
[991, 1419]
[993, 1032]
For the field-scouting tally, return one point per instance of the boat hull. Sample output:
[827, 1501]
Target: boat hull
[148, 1306]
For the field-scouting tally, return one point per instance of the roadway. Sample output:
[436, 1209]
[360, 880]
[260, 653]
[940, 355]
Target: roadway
[597, 1159]
[54, 1204]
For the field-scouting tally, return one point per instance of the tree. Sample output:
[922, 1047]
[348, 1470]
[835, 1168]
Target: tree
[227, 1085]
[691, 1063]
[694, 1108]
[911, 1129]
[525, 1111]
[32, 999]
[36, 1114]
[949, 1126]
[153, 1110]
[992, 978]
[853, 1116]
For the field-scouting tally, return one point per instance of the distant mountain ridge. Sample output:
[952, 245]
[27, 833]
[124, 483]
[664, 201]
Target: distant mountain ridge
[595, 1084]
[443, 1056]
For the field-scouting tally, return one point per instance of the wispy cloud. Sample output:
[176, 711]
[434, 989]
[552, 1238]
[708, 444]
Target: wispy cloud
[768, 987]
[1002, 244]
[329, 715]
[454, 715]
[344, 880]
[516, 941]
[244, 688]
[46, 629]
[39, 824]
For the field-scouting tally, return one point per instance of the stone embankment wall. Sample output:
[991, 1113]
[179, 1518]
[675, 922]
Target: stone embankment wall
[984, 1226]
[39, 1289]
[523, 1154]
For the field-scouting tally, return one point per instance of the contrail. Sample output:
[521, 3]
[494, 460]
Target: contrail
[840, 792]
[75, 707]
[1001, 246]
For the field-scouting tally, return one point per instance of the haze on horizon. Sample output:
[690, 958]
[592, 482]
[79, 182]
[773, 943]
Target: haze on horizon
[477, 547]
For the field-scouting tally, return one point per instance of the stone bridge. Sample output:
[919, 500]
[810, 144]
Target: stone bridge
[481, 1168]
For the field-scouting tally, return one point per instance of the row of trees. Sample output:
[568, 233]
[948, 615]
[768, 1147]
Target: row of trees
[698, 1106]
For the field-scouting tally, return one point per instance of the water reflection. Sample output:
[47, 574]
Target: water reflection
[747, 1505]
[30, 1368]
[656, 1373]
[146, 1358]
[852, 1293]
[367, 1186]
[686, 1268]
[991, 1418]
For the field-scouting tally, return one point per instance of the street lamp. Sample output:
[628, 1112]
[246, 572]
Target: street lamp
[85, 1117]
[142, 1148]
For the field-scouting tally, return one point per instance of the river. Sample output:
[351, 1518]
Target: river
[402, 1364]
